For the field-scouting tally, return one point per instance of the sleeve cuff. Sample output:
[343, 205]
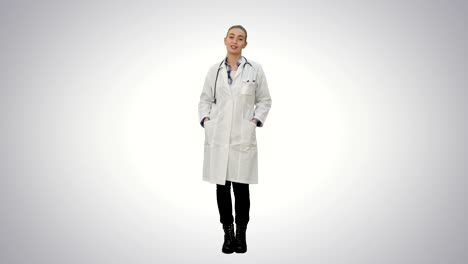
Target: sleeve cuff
[202, 123]
[259, 123]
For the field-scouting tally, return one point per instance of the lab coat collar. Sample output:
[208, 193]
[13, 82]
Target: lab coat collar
[224, 76]
[240, 62]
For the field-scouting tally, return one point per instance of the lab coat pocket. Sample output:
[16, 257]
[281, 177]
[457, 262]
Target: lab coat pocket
[248, 133]
[209, 129]
[248, 88]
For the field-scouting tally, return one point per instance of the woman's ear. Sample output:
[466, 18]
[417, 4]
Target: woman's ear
[245, 45]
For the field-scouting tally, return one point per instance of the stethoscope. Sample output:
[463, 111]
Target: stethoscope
[217, 74]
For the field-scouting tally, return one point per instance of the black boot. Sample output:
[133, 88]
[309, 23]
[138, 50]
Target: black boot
[241, 244]
[229, 239]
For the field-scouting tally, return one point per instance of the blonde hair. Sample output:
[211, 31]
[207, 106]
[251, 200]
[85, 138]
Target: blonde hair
[239, 27]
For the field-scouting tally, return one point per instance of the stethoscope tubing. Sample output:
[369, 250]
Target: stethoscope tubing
[217, 74]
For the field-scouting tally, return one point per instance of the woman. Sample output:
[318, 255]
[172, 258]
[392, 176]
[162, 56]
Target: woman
[234, 101]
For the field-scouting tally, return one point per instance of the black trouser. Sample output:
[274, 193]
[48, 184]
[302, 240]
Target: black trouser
[242, 202]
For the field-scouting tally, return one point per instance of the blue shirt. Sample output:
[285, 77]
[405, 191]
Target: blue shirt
[228, 68]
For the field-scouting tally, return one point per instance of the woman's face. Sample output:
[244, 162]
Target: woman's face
[235, 41]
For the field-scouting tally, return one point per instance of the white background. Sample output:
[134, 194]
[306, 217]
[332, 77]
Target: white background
[361, 160]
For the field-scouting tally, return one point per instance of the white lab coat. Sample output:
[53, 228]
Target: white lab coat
[230, 149]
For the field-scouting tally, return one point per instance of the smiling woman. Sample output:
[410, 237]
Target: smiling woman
[230, 109]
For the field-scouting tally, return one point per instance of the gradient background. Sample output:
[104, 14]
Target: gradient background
[363, 158]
